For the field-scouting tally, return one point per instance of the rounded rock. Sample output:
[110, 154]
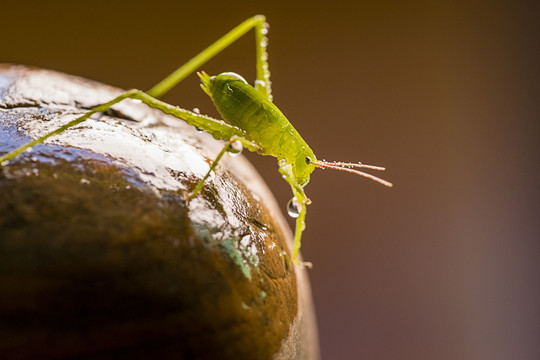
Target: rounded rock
[101, 256]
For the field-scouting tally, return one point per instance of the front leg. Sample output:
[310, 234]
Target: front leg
[299, 207]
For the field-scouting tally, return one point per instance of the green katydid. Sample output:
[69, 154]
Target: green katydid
[250, 119]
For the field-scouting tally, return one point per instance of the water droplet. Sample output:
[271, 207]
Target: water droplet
[196, 110]
[235, 148]
[96, 116]
[264, 30]
[234, 75]
[294, 207]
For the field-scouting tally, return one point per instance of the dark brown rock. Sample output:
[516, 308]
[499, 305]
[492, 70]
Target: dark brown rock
[100, 255]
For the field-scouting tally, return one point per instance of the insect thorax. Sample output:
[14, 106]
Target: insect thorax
[243, 106]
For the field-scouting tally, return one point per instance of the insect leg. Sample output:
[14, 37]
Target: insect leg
[218, 128]
[100, 108]
[257, 22]
[262, 83]
[300, 226]
[246, 143]
[286, 170]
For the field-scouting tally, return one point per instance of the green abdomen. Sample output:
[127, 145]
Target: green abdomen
[242, 106]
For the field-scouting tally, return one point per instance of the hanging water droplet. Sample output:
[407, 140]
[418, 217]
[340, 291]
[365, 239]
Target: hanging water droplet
[96, 116]
[196, 110]
[235, 148]
[294, 207]
[264, 30]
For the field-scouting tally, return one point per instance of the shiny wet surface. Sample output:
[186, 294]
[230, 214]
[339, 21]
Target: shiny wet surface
[101, 254]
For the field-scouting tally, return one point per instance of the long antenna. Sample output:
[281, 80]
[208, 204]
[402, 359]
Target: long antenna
[342, 166]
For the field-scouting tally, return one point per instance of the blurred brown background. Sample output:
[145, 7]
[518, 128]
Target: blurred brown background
[445, 95]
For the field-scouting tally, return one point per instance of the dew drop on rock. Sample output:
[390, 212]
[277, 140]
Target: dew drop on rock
[294, 207]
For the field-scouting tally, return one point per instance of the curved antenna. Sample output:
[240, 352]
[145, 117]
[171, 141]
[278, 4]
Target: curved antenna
[354, 165]
[348, 167]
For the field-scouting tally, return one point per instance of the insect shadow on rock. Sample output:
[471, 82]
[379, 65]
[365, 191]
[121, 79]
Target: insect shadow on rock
[250, 120]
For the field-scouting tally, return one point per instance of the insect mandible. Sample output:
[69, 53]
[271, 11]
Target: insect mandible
[250, 120]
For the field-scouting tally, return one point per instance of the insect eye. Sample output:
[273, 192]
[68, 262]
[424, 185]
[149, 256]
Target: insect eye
[308, 160]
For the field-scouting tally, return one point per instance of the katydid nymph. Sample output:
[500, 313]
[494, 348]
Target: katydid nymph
[250, 120]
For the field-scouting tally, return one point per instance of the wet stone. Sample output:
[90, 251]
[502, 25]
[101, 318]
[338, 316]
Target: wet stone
[101, 256]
